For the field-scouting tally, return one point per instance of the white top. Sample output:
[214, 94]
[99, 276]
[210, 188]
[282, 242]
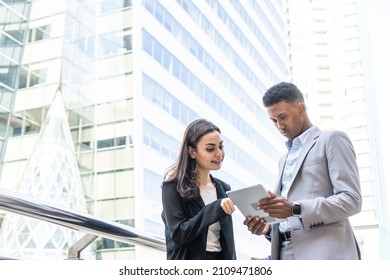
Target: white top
[213, 235]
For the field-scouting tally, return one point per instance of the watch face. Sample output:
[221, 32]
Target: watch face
[296, 209]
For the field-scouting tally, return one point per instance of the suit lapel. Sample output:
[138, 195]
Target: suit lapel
[303, 153]
[282, 164]
[219, 188]
[199, 201]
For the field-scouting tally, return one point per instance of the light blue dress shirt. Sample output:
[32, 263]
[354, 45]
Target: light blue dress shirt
[294, 148]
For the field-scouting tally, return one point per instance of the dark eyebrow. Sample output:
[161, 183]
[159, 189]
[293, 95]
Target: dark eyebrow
[212, 144]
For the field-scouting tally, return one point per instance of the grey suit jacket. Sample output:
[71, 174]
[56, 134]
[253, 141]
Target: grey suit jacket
[326, 183]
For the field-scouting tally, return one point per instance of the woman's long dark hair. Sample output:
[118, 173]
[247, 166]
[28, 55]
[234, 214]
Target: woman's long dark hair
[184, 169]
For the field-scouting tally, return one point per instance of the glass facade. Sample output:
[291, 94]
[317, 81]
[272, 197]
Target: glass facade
[211, 65]
[133, 74]
[13, 33]
[52, 174]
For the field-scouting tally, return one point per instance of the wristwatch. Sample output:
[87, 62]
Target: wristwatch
[296, 209]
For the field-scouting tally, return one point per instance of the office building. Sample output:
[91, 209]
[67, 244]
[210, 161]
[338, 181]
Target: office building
[331, 62]
[132, 75]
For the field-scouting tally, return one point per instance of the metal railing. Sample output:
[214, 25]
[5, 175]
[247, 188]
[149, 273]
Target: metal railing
[93, 227]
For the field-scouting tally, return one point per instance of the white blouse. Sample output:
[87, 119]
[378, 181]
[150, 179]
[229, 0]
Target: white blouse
[213, 235]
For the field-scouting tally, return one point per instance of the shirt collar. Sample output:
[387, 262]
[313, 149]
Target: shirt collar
[300, 140]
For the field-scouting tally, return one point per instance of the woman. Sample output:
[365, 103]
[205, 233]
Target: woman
[196, 209]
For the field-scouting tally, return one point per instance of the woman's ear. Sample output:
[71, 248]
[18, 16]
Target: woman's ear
[191, 152]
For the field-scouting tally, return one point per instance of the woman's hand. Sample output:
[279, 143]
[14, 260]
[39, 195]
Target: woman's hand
[227, 205]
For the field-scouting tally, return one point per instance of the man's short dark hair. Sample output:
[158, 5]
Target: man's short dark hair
[283, 91]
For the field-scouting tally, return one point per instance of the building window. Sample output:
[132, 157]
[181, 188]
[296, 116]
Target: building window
[29, 78]
[39, 33]
[107, 6]
[26, 122]
[107, 143]
[8, 72]
[115, 42]
[115, 142]
[37, 76]
[152, 183]
[159, 141]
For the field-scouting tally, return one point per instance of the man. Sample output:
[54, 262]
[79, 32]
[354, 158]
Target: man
[318, 187]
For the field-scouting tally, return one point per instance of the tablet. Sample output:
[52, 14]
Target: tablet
[246, 200]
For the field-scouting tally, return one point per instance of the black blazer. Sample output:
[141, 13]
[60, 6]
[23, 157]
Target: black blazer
[187, 222]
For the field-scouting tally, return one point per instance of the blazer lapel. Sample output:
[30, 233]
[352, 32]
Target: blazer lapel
[305, 150]
[282, 164]
[220, 193]
[199, 201]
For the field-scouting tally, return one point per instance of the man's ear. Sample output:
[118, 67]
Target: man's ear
[301, 107]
